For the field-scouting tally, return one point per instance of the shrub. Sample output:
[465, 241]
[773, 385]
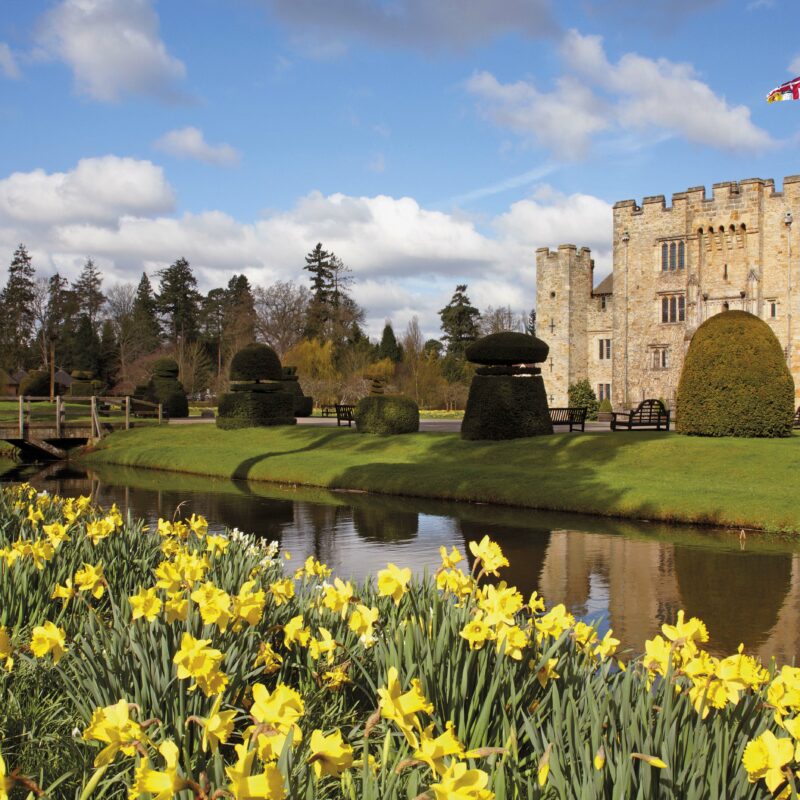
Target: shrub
[256, 362]
[387, 414]
[36, 384]
[502, 407]
[735, 381]
[507, 348]
[303, 406]
[581, 394]
[165, 368]
[254, 409]
[605, 406]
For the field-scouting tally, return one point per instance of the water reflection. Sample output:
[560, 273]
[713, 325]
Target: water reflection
[631, 576]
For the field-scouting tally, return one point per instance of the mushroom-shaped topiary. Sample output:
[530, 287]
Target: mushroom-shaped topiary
[735, 381]
[506, 349]
[254, 363]
[166, 367]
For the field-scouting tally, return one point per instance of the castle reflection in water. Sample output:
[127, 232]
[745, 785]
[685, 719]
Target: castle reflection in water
[631, 577]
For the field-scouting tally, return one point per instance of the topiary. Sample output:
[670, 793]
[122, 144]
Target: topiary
[303, 406]
[254, 409]
[581, 395]
[507, 348]
[506, 407]
[35, 384]
[735, 381]
[256, 362]
[605, 406]
[387, 414]
[165, 388]
[165, 368]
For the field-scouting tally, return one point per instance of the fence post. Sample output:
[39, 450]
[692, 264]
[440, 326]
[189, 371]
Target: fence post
[160, 413]
[58, 416]
[127, 412]
[21, 417]
[94, 418]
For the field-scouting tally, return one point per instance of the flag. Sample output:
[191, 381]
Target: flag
[787, 91]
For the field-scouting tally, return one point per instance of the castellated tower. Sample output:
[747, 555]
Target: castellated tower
[563, 291]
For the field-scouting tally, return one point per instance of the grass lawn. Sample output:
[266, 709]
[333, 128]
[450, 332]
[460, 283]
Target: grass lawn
[747, 482]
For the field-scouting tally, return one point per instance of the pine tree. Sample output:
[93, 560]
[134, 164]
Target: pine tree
[16, 310]
[318, 263]
[459, 322]
[240, 310]
[179, 301]
[109, 354]
[530, 323]
[388, 347]
[145, 318]
[61, 323]
[86, 355]
[88, 289]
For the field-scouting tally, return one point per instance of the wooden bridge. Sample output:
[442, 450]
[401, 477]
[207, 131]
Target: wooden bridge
[41, 428]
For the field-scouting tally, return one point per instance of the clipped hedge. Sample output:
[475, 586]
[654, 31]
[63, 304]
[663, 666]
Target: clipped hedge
[735, 381]
[254, 409]
[387, 414]
[501, 407]
[256, 362]
[166, 368]
[36, 384]
[507, 348]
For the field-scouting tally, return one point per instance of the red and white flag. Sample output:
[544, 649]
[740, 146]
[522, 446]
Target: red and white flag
[787, 91]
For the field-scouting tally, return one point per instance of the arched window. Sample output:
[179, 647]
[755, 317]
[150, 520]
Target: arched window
[681, 255]
[672, 256]
[664, 263]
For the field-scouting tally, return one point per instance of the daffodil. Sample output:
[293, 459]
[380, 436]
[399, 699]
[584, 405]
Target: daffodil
[248, 605]
[145, 603]
[268, 657]
[392, 581]
[90, 579]
[279, 709]
[113, 726]
[335, 678]
[214, 604]
[553, 623]
[330, 755]
[217, 545]
[217, 726]
[197, 660]
[198, 525]
[56, 532]
[99, 529]
[282, 591]
[433, 750]
[489, 555]
[361, 622]
[402, 707]
[6, 649]
[765, 757]
[686, 632]
[458, 782]
[477, 633]
[176, 607]
[547, 672]
[607, 646]
[48, 638]
[336, 596]
[449, 560]
[160, 784]
[267, 785]
[324, 645]
[499, 603]
[294, 632]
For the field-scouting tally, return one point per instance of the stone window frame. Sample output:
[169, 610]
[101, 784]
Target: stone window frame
[604, 349]
[658, 357]
[773, 307]
[603, 392]
[672, 308]
[673, 255]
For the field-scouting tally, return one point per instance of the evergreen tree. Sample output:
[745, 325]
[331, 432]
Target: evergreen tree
[388, 347]
[109, 354]
[88, 289]
[145, 318]
[240, 310]
[179, 301]
[459, 322]
[213, 322]
[86, 354]
[530, 323]
[433, 348]
[16, 310]
[61, 321]
[318, 264]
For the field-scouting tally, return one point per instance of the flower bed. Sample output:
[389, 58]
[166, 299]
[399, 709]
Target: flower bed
[178, 663]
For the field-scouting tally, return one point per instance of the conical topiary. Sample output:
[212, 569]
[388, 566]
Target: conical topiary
[735, 381]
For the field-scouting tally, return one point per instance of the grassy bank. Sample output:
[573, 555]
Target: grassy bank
[642, 475]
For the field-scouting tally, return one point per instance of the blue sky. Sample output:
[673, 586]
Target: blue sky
[427, 142]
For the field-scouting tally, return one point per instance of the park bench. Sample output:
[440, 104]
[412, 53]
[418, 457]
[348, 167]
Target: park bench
[345, 414]
[569, 416]
[648, 414]
[796, 422]
[328, 410]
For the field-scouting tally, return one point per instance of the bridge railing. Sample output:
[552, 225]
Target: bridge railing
[98, 412]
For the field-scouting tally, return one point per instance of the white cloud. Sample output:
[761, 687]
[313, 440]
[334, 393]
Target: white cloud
[407, 259]
[563, 121]
[794, 67]
[596, 97]
[417, 23]
[8, 64]
[190, 143]
[113, 48]
[98, 191]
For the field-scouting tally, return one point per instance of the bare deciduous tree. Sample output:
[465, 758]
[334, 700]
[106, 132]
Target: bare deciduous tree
[497, 320]
[281, 311]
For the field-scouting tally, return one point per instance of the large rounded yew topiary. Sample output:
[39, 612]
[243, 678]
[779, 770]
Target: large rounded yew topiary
[735, 381]
[387, 414]
[256, 362]
[507, 348]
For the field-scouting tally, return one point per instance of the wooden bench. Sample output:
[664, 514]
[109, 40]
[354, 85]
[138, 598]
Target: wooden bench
[648, 414]
[345, 414]
[796, 422]
[569, 416]
[328, 411]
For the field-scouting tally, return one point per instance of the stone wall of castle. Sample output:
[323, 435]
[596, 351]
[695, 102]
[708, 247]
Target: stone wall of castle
[673, 267]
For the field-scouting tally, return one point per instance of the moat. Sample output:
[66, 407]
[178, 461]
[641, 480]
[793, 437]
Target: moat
[633, 576]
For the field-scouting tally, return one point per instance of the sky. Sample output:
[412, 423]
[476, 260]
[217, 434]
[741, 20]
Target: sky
[427, 143]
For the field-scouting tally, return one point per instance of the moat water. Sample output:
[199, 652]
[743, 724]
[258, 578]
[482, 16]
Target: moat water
[629, 576]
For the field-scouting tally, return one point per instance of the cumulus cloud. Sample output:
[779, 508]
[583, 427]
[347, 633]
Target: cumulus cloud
[113, 48]
[97, 191]
[407, 258]
[8, 64]
[794, 67]
[596, 96]
[418, 23]
[190, 143]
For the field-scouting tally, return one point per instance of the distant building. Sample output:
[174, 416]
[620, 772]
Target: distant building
[673, 267]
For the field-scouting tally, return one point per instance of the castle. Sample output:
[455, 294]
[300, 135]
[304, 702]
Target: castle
[673, 267]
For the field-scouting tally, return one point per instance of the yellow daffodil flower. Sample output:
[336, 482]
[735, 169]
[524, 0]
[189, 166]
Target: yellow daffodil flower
[461, 783]
[499, 603]
[90, 579]
[433, 750]
[217, 726]
[248, 605]
[6, 649]
[553, 623]
[392, 582]
[280, 709]
[6, 783]
[197, 660]
[48, 638]
[361, 622]
[324, 645]
[217, 545]
[214, 604]
[269, 658]
[176, 607]
[267, 785]
[295, 632]
[489, 555]
[145, 603]
[765, 757]
[330, 755]
[282, 591]
[336, 596]
[402, 707]
[99, 529]
[477, 633]
[113, 726]
[164, 784]
[64, 593]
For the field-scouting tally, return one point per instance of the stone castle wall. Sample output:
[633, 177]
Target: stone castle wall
[731, 251]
